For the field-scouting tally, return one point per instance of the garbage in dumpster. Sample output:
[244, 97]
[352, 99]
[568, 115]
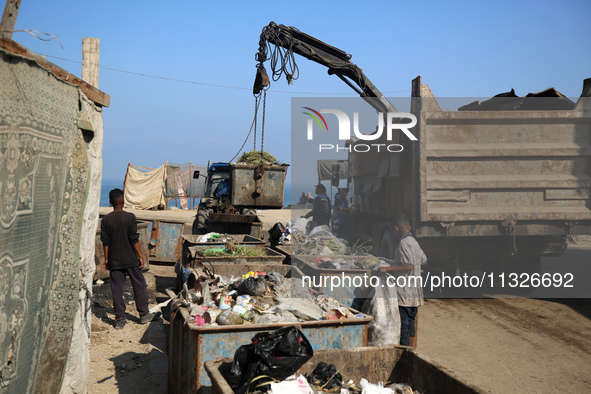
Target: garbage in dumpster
[253, 286]
[260, 298]
[271, 356]
[325, 376]
[297, 385]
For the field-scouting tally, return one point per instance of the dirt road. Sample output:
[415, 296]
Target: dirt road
[501, 345]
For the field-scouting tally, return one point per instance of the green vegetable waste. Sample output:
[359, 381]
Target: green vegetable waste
[234, 250]
[254, 157]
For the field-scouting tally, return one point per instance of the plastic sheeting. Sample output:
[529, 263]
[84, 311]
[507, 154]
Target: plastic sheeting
[180, 182]
[325, 169]
[145, 189]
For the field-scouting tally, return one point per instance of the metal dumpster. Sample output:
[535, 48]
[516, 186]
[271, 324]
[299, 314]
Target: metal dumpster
[256, 186]
[190, 345]
[376, 364]
[284, 250]
[230, 223]
[320, 278]
[271, 257]
[99, 253]
[165, 240]
[241, 239]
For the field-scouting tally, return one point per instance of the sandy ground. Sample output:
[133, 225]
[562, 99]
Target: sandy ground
[501, 345]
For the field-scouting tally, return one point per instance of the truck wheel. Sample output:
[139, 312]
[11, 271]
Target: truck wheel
[387, 247]
[201, 221]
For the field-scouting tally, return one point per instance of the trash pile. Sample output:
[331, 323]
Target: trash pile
[321, 380]
[254, 298]
[229, 249]
[257, 157]
[353, 262]
[319, 241]
[216, 237]
[269, 365]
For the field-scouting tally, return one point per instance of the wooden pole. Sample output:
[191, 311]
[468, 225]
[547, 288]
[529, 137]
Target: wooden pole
[9, 18]
[90, 60]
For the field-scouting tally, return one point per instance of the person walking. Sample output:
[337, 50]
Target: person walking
[123, 258]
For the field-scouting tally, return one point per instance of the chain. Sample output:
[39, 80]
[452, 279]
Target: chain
[263, 123]
[256, 111]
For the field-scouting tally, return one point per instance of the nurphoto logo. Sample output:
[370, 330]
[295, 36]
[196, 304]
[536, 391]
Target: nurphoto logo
[393, 122]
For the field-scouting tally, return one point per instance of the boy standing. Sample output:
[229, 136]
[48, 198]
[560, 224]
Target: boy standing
[408, 259]
[121, 245]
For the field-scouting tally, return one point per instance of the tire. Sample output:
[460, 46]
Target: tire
[387, 246]
[201, 221]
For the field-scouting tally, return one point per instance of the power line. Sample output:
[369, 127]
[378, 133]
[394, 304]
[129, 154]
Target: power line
[203, 83]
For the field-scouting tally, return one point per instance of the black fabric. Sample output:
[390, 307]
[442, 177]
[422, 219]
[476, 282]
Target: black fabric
[119, 233]
[321, 210]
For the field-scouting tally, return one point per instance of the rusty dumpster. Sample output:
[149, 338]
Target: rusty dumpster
[376, 364]
[256, 186]
[353, 283]
[271, 257]
[240, 239]
[190, 346]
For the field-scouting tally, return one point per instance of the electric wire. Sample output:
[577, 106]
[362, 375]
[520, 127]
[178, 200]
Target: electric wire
[209, 84]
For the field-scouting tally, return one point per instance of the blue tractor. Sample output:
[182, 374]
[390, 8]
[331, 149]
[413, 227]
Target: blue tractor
[233, 193]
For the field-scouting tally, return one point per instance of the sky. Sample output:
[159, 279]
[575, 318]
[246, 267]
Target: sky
[461, 49]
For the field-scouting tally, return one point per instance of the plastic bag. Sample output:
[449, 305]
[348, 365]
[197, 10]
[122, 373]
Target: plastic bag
[277, 354]
[325, 376]
[384, 329]
[275, 233]
[253, 287]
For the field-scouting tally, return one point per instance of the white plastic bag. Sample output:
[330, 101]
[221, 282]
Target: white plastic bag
[383, 307]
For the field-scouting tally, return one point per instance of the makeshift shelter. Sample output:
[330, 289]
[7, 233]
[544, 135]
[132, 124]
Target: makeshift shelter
[149, 188]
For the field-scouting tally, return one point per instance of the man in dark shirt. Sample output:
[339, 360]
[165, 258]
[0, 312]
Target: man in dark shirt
[122, 251]
[321, 210]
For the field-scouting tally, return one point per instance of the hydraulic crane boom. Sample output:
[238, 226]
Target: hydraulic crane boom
[337, 61]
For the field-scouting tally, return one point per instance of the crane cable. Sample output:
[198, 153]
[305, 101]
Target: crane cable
[252, 125]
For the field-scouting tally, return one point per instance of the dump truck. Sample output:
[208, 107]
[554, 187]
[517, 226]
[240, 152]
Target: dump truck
[489, 186]
[484, 188]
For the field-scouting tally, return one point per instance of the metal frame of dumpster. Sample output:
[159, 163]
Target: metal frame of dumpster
[241, 239]
[190, 346]
[376, 364]
[347, 294]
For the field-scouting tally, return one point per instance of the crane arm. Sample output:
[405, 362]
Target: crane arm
[337, 61]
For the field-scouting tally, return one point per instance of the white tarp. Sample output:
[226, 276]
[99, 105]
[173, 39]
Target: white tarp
[145, 189]
[326, 169]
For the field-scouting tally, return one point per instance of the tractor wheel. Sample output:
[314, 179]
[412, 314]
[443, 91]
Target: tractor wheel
[201, 221]
[248, 211]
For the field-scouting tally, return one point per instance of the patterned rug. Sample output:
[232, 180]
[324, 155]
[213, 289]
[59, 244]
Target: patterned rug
[43, 183]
